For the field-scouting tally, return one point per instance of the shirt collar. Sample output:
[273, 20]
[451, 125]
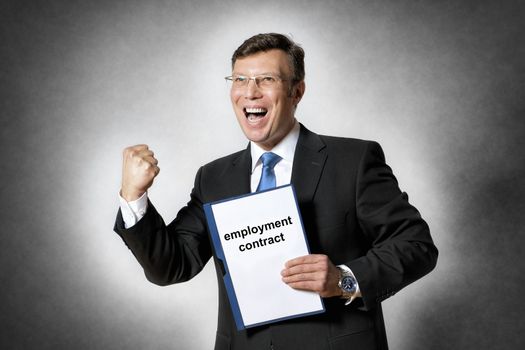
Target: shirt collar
[284, 149]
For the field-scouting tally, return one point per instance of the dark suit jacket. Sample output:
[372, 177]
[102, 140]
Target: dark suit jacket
[353, 211]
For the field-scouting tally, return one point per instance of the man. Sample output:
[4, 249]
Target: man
[367, 241]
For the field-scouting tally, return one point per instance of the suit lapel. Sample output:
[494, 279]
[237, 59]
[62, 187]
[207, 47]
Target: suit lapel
[241, 172]
[309, 161]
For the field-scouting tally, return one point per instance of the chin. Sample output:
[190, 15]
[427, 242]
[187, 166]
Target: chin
[255, 138]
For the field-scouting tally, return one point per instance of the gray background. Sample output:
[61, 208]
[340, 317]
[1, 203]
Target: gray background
[440, 84]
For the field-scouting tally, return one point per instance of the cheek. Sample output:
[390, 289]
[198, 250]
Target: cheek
[234, 96]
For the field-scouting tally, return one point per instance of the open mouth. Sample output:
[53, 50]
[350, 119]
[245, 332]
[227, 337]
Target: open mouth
[254, 114]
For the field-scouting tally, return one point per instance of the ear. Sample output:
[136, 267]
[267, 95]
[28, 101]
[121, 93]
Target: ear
[298, 92]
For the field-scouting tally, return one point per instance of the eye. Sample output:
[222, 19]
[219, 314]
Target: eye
[239, 79]
[267, 79]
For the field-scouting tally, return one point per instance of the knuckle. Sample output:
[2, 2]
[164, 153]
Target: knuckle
[127, 151]
[133, 153]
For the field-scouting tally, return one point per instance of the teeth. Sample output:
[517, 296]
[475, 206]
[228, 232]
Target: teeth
[256, 110]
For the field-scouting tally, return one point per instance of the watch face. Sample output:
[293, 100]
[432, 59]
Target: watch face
[348, 284]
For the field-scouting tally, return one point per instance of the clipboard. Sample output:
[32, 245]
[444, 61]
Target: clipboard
[253, 236]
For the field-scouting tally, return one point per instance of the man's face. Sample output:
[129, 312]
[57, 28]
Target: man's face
[266, 115]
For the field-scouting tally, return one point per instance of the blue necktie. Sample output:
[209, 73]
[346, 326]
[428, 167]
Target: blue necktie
[267, 181]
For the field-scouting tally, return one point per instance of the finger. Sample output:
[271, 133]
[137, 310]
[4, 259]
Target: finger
[148, 166]
[140, 147]
[142, 154]
[303, 285]
[144, 161]
[311, 276]
[306, 259]
[152, 170]
[151, 160]
[304, 268]
[138, 151]
[132, 149]
[146, 152]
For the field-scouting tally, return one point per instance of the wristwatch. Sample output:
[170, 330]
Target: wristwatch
[347, 283]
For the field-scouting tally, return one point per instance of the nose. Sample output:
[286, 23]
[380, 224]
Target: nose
[252, 90]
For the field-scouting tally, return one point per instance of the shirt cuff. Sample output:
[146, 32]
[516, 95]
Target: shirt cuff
[133, 211]
[357, 290]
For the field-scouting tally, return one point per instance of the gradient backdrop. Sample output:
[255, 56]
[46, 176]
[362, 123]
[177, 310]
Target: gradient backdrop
[440, 84]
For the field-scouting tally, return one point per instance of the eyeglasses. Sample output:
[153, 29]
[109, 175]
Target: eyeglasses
[264, 81]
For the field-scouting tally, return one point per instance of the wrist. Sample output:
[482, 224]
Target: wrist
[131, 195]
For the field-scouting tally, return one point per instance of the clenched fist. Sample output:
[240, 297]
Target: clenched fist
[139, 168]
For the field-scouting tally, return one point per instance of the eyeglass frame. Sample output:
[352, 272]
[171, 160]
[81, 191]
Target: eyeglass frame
[230, 78]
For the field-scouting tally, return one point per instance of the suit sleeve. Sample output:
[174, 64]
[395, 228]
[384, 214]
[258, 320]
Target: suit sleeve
[170, 253]
[401, 249]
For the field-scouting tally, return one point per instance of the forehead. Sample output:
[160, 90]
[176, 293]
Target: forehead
[272, 61]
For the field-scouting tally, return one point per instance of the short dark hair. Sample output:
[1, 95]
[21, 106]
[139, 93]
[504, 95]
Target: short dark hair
[270, 41]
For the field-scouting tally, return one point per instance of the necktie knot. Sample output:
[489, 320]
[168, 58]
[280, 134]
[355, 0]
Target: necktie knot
[269, 159]
[267, 181]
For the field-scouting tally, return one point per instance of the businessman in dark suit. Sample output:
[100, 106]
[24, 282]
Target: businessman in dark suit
[367, 241]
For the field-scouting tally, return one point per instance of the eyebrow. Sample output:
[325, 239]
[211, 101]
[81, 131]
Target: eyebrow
[265, 73]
